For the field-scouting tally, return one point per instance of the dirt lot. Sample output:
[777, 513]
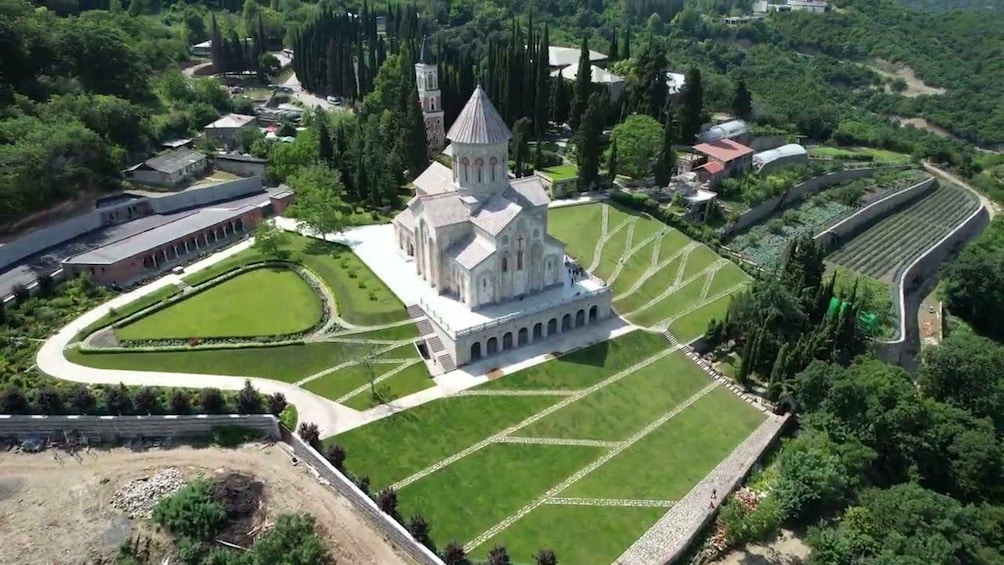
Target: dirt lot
[58, 511]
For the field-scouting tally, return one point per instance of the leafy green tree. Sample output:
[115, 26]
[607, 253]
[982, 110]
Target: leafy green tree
[292, 540]
[268, 66]
[249, 400]
[812, 478]
[179, 402]
[637, 140]
[211, 400]
[192, 511]
[318, 202]
[271, 241]
[967, 371]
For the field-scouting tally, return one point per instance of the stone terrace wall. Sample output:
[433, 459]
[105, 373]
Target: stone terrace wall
[388, 526]
[206, 195]
[797, 193]
[113, 428]
[851, 225]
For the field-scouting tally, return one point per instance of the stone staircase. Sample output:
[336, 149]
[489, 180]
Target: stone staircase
[435, 344]
[671, 338]
[416, 311]
[446, 362]
[424, 326]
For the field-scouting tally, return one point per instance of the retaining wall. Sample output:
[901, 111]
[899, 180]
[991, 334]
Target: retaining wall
[797, 193]
[915, 281]
[112, 428]
[206, 195]
[388, 526]
[44, 238]
[847, 228]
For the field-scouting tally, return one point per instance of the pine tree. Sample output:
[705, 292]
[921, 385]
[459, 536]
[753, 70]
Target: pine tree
[587, 146]
[542, 98]
[666, 159]
[613, 47]
[742, 101]
[691, 106]
[583, 87]
[216, 46]
[612, 162]
[325, 149]
[627, 43]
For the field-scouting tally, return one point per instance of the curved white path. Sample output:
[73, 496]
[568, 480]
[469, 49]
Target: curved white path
[310, 407]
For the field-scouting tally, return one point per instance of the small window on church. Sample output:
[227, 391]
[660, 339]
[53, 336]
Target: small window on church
[519, 261]
[484, 283]
[536, 233]
[505, 264]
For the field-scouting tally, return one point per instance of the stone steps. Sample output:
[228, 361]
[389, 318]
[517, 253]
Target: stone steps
[447, 363]
[435, 344]
[424, 327]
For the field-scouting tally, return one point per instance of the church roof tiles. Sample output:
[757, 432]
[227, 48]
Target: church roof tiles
[444, 210]
[496, 214]
[471, 251]
[436, 179]
[530, 191]
[479, 122]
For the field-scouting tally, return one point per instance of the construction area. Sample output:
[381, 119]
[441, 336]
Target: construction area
[86, 502]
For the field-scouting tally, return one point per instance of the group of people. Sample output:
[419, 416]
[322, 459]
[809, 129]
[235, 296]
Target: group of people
[575, 272]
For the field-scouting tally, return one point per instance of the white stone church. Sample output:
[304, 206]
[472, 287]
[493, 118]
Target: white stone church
[476, 241]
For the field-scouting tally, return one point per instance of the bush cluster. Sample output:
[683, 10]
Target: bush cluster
[647, 204]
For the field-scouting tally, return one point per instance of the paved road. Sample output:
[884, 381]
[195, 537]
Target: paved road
[308, 99]
[311, 408]
[992, 207]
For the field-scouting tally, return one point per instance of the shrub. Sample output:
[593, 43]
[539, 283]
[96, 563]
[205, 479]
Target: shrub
[212, 401]
[336, 456]
[191, 512]
[744, 525]
[82, 399]
[419, 528]
[498, 556]
[277, 404]
[288, 417]
[118, 400]
[180, 401]
[292, 541]
[13, 401]
[454, 554]
[387, 501]
[309, 433]
[21, 293]
[48, 401]
[145, 400]
[232, 436]
[546, 557]
[363, 483]
[248, 399]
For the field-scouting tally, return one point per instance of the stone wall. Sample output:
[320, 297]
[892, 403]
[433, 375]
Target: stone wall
[362, 503]
[114, 428]
[206, 195]
[842, 231]
[39, 240]
[915, 281]
[796, 194]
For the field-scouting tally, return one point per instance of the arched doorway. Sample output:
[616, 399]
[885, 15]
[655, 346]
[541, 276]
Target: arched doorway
[552, 326]
[592, 313]
[475, 351]
[522, 338]
[566, 322]
[507, 341]
[493, 345]
[538, 329]
[580, 318]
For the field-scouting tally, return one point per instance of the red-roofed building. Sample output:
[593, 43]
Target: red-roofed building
[733, 156]
[711, 172]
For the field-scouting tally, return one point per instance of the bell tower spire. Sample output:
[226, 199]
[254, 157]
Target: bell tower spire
[430, 98]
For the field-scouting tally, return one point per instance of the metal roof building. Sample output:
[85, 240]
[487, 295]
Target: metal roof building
[790, 153]
[728, 130]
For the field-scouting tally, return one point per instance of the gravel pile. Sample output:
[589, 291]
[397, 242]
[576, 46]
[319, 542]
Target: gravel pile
[138, 497]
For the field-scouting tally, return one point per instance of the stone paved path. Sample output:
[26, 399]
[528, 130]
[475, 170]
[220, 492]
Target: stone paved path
[630, 253]
[630, 502]
[534, 418]
[658, 266]
[673, 533]
[708, 271]
[596, 464]
[598, 250]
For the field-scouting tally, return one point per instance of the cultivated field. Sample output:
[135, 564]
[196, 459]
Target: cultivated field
[660, 277]
[581, 454]
[901, 237]
[58, 511]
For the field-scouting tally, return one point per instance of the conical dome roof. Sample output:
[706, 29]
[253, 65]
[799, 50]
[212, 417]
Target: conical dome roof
[479, 122]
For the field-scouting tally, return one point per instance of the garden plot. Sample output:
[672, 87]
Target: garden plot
[564, 439]
[657, 273]
[894, 241]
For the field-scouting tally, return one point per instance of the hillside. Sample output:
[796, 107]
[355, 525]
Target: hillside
[942, 5]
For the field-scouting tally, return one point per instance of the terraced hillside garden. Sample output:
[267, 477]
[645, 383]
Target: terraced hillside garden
[660, 277]
[581, 454]
[893, 242]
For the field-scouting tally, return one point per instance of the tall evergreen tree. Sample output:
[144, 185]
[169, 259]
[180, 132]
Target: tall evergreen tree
[691, 115]
[742, 101]
[627, 43]
[613, 48]
[216, 47]
[325, 148]
[666, 159]
[587, 144]
[612, 161]
[542, 92]
[583, 86]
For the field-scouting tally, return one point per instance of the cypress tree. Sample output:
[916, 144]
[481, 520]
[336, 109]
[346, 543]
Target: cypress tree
[541, 106]
[613, 47]
[325, 149]
[587, 150]
[627, 43]
[216, 47]
[666, 159]
[612, 161]
[691, 106]
[583, 83]
[742, 101]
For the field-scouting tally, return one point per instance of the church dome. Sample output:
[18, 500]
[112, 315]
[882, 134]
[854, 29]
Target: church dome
[479, 123]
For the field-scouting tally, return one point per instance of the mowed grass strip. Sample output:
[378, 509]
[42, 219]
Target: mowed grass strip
[579, 227]
[652, 287]
[613, 250]
[395, 447]
[404, 331]
[667, 463]
[681, 299]
[615, 412]
[584, 367]
[267, 301]
[727, 277]
[473, 494]
[577, 535]
[634, 266]
[286, 363]
[691, 326]
[343, 381]
[411, 379]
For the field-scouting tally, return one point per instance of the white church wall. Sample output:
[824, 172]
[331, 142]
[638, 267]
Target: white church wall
[466, 158]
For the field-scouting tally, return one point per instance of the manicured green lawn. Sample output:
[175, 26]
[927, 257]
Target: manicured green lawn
[698, 260]
[672, 242]
[691, 326]
[409, 380]
[362, 298]
[652, 287]
[559, 173]
[667, 463]
[676, 302]
[346, 379]
[634, 266]
[584, 367]
[284, 363]
[393, 448]
[622, 408]
[613, 250]
[879, 155]
[131, 308]
[578, 227]
[576, 534]
[267, 301]
[489, 485]
[405, 331]
[727, 277]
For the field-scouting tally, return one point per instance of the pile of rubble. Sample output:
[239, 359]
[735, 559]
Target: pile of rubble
[138, 497]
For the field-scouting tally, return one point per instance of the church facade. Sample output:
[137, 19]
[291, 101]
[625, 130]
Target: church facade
[480, 239]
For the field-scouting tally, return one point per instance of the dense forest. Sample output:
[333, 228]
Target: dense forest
[943, 5]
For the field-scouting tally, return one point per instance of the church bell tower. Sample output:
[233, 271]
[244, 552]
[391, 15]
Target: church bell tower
[427, 78]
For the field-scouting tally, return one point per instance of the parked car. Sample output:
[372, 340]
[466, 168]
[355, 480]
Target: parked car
[333, 100]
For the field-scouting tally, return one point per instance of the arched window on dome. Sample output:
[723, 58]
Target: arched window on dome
[465, 163]
[494, 163]
[480, 165]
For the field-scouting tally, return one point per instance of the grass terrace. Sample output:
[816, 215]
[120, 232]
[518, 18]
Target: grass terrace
[563, 172]
[859, 154]
[646, 436]
[262, 302]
